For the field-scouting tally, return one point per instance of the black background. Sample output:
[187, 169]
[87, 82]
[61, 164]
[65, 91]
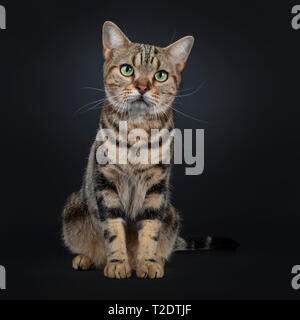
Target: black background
[249, 57]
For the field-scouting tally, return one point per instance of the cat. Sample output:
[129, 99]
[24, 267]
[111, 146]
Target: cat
[122, 219]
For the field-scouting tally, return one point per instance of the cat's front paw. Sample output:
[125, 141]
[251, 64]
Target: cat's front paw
[150, 269]
[118, 269]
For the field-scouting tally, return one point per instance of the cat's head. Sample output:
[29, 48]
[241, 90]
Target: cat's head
[141, 78]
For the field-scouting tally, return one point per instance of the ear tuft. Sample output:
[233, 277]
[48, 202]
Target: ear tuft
[180, 50]
[113, 38]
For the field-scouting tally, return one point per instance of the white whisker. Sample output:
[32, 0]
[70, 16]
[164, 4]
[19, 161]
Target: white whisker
[91, 88]
[88, 104]
[188, 116]
[193, 92]
[94, 104]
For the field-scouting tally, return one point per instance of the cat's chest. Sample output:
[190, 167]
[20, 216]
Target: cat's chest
[132, 187]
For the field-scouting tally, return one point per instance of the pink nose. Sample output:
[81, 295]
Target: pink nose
[142, 89]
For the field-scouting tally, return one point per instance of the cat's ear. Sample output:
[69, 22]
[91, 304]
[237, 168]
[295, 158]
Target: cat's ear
[180, 50]
[113, 38]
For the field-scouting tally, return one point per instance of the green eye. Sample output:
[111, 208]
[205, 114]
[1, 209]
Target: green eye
[127, 70]
[161, 76]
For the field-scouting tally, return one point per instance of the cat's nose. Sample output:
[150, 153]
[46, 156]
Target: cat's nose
[142, 89]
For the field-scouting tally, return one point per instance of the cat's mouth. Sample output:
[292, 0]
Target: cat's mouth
[141, 100]
[139, 105]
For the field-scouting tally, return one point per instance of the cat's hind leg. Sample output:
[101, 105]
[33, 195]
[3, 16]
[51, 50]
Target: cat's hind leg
[168, 234]
[82, 234]
[81, 262]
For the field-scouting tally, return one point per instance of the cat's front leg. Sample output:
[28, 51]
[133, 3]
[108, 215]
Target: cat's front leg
[149, 223]
[115, 243]
[147, 262]
[112, 217]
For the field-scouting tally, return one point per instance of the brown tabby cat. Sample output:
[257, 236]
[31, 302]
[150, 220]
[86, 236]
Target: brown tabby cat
[122, 218]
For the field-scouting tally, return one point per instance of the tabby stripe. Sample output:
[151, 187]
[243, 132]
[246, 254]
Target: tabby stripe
[151, 214]
[108, 236]
[114, 213]
[133, 61]
[150, 167]
[162, 166]
[112, 238]
[158, 64]
[110, 124]
[115, 261]
[109, 213]
[103, 124]
[142, 51]
[160, 187]
[109, 71]
[152, 260]
[156, 237]
[103, 183]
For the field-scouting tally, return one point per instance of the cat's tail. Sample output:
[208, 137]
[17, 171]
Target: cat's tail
[205, 243]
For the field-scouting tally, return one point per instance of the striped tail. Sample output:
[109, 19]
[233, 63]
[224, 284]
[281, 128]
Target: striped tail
[205, 243]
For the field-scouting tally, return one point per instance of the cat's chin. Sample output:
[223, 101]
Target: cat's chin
[139, 107]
